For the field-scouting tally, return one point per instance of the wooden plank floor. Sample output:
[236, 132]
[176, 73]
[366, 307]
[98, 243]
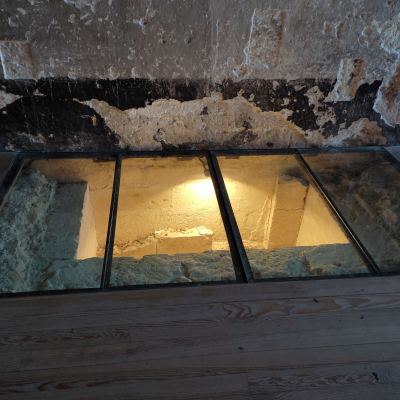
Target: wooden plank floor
[327, 339]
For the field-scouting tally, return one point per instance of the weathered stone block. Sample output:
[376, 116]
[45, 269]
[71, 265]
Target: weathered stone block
[318, 225]
[17, 60]
[287, 211]
[70, 226]
[179, 242]
[137, 250]
[265, 37]
[349, 76]
[387, 101]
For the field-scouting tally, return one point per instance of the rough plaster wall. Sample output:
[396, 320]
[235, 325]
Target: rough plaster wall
[348, 80]
[225, 43]
[17, 61]
[193, 39]
[211, 121]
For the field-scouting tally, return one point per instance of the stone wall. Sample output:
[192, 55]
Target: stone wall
[293, 73]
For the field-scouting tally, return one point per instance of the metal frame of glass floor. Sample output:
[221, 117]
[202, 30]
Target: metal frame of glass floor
[11, 165]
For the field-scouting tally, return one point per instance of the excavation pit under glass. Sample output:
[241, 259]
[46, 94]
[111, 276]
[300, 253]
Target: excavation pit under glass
[286, 227]
[53, 224]
[212, 217]
[169, 227]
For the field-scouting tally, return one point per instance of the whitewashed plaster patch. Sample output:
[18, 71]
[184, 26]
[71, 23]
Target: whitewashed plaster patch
[359, 133]
[216, 123]
[232, 123]
[390, 40]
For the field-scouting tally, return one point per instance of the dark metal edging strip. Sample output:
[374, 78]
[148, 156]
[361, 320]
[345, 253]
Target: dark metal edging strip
[10, 178]
[18, 163]
[106, 273]
[338, 150]
[223, 198]
[350, 233]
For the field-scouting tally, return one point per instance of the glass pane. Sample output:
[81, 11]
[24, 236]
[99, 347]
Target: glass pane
[286, 227]
[53, 224]
[169, 227]
[365, 187]
[6, 160]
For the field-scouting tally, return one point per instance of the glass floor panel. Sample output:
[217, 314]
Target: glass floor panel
[287, 228]
[54, 224]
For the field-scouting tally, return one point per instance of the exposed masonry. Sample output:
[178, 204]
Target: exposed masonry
[216, 123]
[388, 99]
[210, 123]
[17, 60]
[193, 39]
[135, 114]
[246, 41]
[349, 76]
[265, 37]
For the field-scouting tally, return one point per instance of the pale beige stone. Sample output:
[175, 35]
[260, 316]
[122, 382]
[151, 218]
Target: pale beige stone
[178, 242]
[87, 244]
[349, 76]
[7, 98]
[137, 251]
[318, 225]
[172, 122]
[70, 217]
[287, 211]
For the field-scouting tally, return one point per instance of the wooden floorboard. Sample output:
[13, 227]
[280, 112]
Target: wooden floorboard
[367, 330]
[328, 339]
[345, 323]
[193, 367]
[119, 300]
[10, 362]
[77, 337]
[360, 392]
[192, 388]
[331, 376]
[301, 307]
[85, 319]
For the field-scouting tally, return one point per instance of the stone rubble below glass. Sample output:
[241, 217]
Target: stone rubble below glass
[24, 266]
[334, 259]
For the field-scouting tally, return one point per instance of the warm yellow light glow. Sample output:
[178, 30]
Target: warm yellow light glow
[204, 188]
